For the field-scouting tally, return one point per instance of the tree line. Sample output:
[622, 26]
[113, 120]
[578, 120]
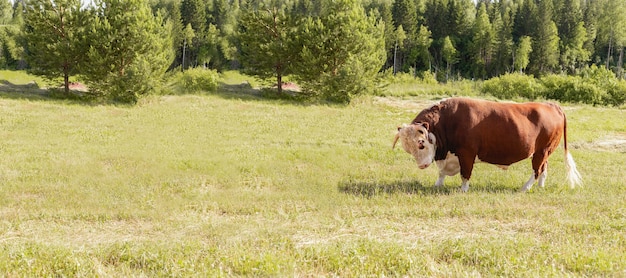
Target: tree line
[334, 48]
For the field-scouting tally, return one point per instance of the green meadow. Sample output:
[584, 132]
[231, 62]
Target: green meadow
[233, 184]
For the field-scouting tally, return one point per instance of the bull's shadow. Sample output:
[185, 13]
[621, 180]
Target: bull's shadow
[372, 188]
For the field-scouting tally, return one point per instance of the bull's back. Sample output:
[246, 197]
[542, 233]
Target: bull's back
[504, 133]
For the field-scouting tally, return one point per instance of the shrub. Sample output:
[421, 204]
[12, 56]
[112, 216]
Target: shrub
[592, 86]
[197, 79]
[571, 89]
[614, 89]
[429, 77]
[139, 79]
[512, 85]
[616, 93]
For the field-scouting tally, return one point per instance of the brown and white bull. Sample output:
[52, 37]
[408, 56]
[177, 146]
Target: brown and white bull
[457, 132]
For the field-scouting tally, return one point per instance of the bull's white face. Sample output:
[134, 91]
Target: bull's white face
[417, 141]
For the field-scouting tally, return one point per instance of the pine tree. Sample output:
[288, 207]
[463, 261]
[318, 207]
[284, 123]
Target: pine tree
[122, 64]
[342, 51]
[266, 43]
[10, 33]
[53, 31]
[170, 9]
[6, 12]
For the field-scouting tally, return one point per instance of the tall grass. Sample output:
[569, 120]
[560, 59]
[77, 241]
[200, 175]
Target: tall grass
[219, 185]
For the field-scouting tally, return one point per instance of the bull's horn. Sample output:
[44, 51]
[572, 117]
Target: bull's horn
[395, 140]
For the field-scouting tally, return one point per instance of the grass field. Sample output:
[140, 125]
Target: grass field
[232, 185]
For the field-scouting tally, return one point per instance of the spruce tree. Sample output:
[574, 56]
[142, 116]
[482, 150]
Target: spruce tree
[482, 45]
[545, 55]
[53, 31]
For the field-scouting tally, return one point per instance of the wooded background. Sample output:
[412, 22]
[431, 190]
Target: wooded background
[323, 44]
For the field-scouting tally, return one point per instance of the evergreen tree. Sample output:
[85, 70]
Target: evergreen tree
[526, 20]
[545, 55]
[612, 30]
[6, 12]
[194, 12]
[405, 14]
[170, 9]
[10, 32]
[574, 52]
[342, 51]
[383, 12]
[573, 35]
[122, 64]
[266, 43]
[591, 22]
[53, 31]
[462, 14]
[482, 45]
[503, 26]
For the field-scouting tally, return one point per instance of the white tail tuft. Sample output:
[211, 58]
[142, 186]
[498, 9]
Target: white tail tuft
[573, 176]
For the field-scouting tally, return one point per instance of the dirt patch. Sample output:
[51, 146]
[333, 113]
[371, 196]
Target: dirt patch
[413, 105]
[291, 87]
[77, 86]
[613, 143]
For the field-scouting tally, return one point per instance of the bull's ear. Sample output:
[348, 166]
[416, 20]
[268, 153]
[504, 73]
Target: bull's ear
[399, 128]
[425, 125]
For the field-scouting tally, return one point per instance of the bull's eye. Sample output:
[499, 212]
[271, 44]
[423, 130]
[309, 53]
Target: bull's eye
[420, 131]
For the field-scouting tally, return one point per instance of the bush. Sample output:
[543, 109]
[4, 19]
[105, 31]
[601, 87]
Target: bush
[511, 86]
[614, 89]
[139, 79]
[571, 89]
[197, 80]
[593, 86]
[616, 93]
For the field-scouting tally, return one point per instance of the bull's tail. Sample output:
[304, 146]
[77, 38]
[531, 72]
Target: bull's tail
[573, 176]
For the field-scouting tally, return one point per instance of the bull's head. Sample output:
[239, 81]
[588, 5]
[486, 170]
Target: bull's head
[418, 141]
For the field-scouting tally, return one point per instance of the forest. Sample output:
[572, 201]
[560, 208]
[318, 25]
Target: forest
[334, 49]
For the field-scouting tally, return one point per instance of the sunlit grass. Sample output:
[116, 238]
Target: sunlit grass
[222, 185]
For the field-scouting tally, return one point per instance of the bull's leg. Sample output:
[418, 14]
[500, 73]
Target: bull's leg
[529, 183]
[466, 162]
[439, 182]
[543, 176]
[464, 184]
[540, 165]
